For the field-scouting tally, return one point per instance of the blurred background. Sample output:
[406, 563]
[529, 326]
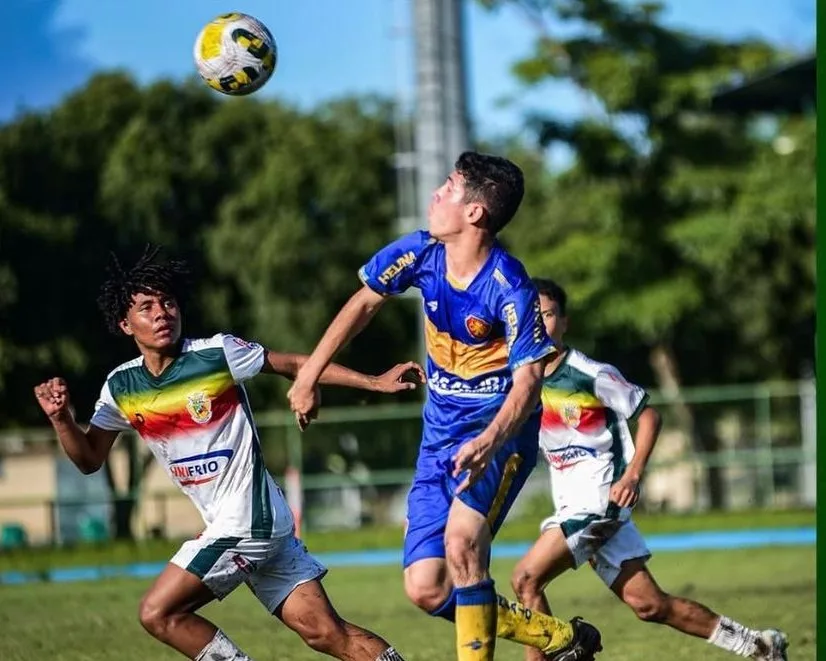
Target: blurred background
[669, 152]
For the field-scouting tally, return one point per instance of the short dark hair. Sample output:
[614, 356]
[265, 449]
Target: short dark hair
[494, 182]
[552, 290]
[147, 276]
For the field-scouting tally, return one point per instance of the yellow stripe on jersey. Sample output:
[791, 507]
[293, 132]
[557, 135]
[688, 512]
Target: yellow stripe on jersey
[172, 399]
[556, 398]
[456, 284]
[464, 360]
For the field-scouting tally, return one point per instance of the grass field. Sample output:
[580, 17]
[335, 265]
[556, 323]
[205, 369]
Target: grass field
[96, 621]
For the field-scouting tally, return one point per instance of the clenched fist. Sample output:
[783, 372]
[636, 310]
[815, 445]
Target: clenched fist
[53, 397]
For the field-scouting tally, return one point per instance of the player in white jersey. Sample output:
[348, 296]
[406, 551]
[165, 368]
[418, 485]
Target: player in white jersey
[185, 398]
[596, 466]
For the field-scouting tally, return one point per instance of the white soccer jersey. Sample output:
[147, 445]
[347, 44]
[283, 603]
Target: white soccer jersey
[197, 421]
[584, 436]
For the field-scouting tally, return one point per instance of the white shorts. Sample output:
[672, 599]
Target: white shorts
[272, 568]
[602, 542]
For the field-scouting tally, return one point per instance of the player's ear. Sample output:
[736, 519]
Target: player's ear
[126, 327]
[475, 213]
[563, 324]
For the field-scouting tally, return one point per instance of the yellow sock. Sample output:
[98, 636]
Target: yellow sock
[476, 622]
[522, 625]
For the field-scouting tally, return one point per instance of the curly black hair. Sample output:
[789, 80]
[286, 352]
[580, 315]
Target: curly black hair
[495, 182]
[147, 276]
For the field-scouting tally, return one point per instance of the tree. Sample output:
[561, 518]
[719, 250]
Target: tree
[660, 229]
[319, 201]
[54, 240]
[275, 209]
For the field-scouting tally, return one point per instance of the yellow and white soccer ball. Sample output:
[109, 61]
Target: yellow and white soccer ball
[235, 54]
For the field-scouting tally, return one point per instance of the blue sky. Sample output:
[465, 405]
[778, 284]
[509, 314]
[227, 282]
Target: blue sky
[327, 48]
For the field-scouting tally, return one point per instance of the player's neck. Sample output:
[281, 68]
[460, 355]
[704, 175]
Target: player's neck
[551, 367]
[156, 362]
[466, 255]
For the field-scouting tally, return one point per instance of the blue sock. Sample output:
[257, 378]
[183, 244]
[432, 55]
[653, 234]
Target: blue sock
[447, 610]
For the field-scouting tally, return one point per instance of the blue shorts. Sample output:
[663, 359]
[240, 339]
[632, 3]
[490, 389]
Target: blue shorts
[434, 486]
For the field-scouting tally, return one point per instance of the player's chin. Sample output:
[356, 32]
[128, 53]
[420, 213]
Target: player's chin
[435, 230]
[164, 340]
[433, 224]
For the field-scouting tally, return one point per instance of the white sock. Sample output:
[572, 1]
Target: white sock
[221, 648]
[390, 655]
[734, 637]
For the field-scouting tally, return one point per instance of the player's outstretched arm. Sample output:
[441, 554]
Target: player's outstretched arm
[404, 376]
[87, 449]
[475, 455]
[349, 322]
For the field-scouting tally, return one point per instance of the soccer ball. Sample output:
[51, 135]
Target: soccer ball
[235, 54]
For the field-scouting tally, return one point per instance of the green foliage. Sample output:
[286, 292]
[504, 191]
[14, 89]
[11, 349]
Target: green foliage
[318, 203]
[675, 229]
[686, 239]
[275, 208]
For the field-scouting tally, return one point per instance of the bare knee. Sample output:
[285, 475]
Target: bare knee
[463, 555]
[323, 633]
[528, 587]
[154, 618]
[526, 584]
[427, 593]
[653, 608]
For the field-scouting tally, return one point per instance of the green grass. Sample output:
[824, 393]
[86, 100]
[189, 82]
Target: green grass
[523, 529]
[97, 621]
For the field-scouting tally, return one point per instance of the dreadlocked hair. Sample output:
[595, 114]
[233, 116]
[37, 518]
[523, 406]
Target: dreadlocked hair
[147, 276]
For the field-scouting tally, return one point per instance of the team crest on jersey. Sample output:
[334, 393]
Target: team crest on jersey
[478, 328]
[199, 407]
[571, 414]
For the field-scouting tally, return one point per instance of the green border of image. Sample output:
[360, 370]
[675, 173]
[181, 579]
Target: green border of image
[820, 341]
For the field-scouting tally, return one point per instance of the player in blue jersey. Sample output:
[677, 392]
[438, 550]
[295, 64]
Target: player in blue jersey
[486, 351]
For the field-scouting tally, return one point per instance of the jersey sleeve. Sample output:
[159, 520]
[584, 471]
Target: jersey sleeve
[524, 330]
[245, 359]
[618, 394]
[107, 413]
[394, 268]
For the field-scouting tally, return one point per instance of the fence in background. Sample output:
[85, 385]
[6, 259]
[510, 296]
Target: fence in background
[750, 446]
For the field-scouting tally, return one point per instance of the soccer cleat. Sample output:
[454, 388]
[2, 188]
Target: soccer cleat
[586, 642]
[771, 646]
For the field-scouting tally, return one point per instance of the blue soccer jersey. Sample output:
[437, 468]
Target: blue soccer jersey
[475, 336]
